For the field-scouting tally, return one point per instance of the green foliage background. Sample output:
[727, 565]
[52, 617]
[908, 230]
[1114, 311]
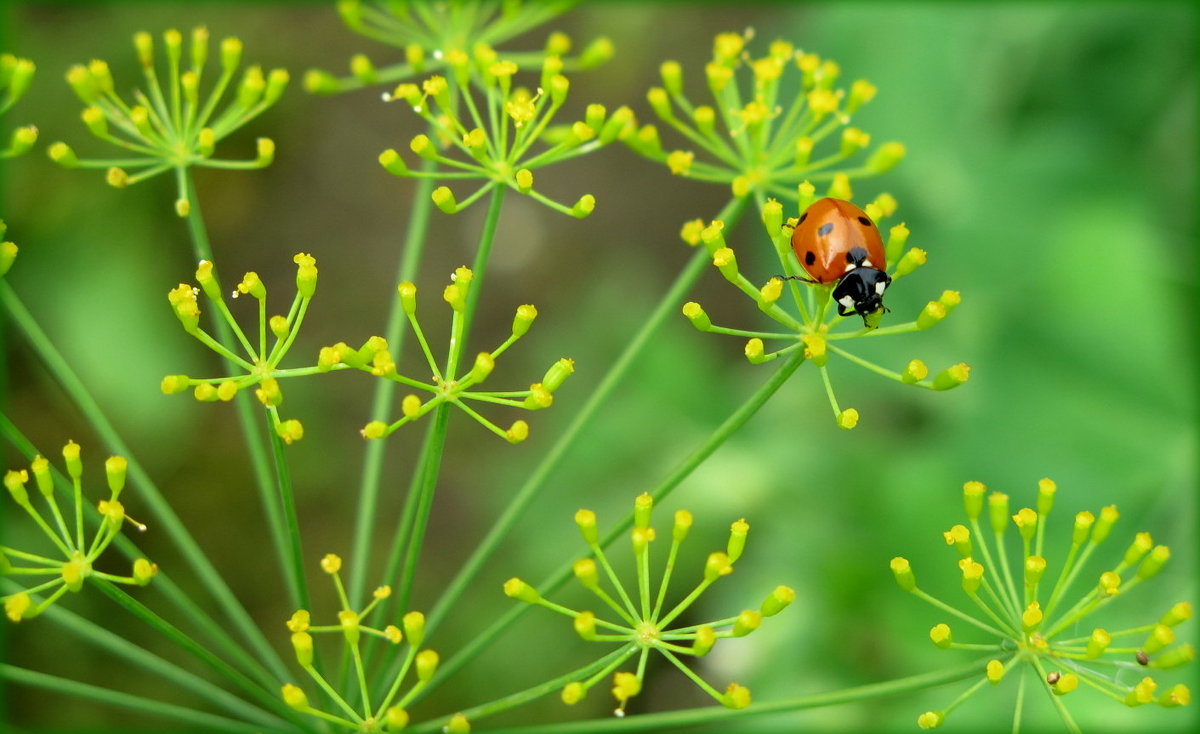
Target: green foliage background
[1051, 178]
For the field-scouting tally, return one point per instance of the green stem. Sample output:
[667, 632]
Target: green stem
[424, 505]
[385, 390]
[719, 716]
[1019, 706]
[298, 587]
[539, 478]
[428, 463]
[735, 421]
[399, 542]
[174, 634]
[198, 719]
[173, 527]
[482, 255]
[166, 670]
[202, 250]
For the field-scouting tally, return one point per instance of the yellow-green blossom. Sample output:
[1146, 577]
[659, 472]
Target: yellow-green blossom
[77, 555]
[503, 138]
[169, 125]
[643, 622]
[1035, 629]
[355, 708]
[261, 355]
[427, 33]
[452, 383]
[8, 250]
[766, 122]
[15, 77]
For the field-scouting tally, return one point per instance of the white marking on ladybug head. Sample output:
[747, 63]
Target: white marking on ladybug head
[850, 266]
[867, 263]
[880, 287]
[847, 302]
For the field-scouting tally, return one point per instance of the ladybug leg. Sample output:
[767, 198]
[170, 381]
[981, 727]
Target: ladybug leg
[794, 277]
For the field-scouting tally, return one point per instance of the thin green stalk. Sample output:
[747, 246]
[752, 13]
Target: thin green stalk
[173, 527]
[424, 506]
[267, 696]
[722, 717]
[428, 464]
[539, 478]
[395, 554]
[198, 719]
[299, 586]
[385, 390]
[482, 254]
[202, 250]
[165, 669]
[735, 421]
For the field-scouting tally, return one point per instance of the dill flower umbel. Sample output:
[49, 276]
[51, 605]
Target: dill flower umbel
[262, 357]
[77, 554]
[807, 311]
[169, 127]
[643, 621]
[427, 33]
[760, 131]
[390, 713]
[453, 383]
[493, 140]
[1027, 610]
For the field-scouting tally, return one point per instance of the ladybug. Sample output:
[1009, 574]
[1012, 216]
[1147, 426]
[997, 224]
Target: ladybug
[835, 241]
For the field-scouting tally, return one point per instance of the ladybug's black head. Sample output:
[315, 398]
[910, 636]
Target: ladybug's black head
[860, 291]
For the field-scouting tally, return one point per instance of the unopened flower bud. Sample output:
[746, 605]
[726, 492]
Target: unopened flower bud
[903, 573]
[777, 601]
[736, 697]
[517, 589]
[716, 566]
[294, 696]
[952, 377]
[941, 636]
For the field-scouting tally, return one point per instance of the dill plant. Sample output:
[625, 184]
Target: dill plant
[776, 131]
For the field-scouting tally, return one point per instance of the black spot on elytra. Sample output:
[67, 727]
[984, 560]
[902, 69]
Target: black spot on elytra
[849, 258]
[802, 217]
[825, 229]
[810, 257]
[866, 222]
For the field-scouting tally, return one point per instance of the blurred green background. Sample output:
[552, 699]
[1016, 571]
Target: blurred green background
[1050, 176]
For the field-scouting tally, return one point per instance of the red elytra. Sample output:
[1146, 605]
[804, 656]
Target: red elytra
[833, 237]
